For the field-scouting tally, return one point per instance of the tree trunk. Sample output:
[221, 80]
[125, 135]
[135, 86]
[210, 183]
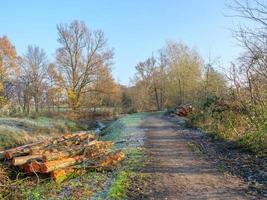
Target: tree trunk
[157, 98]
[36, 103]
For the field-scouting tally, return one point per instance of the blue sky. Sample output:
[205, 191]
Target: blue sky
[134, 28]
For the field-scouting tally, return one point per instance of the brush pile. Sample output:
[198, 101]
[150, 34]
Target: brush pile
[61, 156]
[183, 110]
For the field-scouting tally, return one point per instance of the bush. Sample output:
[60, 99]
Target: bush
[230, 122]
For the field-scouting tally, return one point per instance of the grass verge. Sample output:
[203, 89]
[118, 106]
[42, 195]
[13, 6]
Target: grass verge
[19, 131]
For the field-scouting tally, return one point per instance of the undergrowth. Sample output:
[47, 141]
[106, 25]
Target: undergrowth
[231, 123]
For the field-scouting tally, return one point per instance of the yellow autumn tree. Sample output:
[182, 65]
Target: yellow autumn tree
[105, 91]
[8, 66]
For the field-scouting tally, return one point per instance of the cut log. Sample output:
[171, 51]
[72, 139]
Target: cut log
[107, 161]
[24, 159]
[98, 148]
[76, 139]
[62, 154]
[92, 149]
[32, 167]
[20, 151]
[58, 156]
[111, 160]
[65, 140]
[59, 164]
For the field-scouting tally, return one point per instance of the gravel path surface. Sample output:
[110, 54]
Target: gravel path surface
[179, 171]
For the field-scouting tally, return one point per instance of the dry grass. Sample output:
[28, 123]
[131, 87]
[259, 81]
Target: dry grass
[19, 131]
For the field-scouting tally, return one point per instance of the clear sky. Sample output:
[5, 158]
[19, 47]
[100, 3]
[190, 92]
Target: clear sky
[135, 28]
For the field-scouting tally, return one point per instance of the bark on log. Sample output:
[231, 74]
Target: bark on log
[62, 154]
[61, 144]
[77, 139]
[20, 151]
[108, 161]
[98, 148]
[59, 164]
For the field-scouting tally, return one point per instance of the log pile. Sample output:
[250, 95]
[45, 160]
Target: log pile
[63, 155]
[183, 110]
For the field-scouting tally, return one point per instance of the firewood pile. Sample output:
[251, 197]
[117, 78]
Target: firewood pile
[183, 110]
[61, 156]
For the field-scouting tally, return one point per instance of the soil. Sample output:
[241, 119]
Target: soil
[183, 165]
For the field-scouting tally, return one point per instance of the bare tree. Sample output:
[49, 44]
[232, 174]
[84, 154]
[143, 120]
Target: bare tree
[253, 62]
[34, 74]
[80, 56]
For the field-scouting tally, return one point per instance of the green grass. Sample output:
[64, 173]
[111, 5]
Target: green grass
[123, 180]
[119, 187]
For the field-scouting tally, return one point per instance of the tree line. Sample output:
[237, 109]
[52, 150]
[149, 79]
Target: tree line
[79, 77]
[176, 75]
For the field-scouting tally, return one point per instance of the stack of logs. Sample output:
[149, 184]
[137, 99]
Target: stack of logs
[183, 110]
[61, 156]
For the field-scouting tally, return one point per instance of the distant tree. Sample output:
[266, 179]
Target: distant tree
[34, 72]
[80, 57]
[54, 91]
[145, 84]
[126, 100]
[184, 73]
[172, 78]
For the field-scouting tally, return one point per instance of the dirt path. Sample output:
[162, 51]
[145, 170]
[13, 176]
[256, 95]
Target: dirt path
[179, 172]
